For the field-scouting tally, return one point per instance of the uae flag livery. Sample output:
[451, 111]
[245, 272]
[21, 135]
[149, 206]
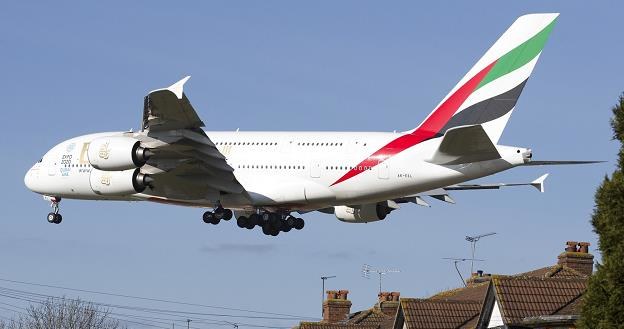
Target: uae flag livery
[486, 95]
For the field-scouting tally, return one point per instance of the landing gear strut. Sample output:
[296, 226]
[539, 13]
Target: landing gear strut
[54, 217]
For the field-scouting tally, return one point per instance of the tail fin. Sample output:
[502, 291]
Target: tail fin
[488, 93]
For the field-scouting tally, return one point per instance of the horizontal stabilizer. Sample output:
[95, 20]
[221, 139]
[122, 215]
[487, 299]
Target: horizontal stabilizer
[538, 184]
[463, 145]
[550, 163]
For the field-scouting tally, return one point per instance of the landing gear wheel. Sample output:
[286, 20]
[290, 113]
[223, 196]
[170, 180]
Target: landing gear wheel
[286, 227]
[275, 221]
[288, 223]
[227, 214]
[242, 221]
[256, 220]
[250, 225]
[59, 219]
[299, 223]
[51, 218]
[210, 218]
[266, 230]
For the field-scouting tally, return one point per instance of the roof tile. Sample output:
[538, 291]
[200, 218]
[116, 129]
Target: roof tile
[439, 314]
[521, 297]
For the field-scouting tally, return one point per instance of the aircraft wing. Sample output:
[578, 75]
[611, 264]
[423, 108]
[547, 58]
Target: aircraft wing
[171, 129]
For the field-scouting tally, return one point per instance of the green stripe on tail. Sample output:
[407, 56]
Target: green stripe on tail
[518, 56]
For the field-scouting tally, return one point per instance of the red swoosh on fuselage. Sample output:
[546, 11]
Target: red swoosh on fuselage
[427, 130]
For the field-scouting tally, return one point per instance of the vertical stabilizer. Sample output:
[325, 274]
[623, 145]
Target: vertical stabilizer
[488, 93]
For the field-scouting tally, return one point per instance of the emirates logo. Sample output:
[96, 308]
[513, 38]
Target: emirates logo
[105, 179]
[104, 151]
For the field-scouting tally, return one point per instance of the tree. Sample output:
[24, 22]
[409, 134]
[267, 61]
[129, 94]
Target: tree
[604, 300]
[63, 314]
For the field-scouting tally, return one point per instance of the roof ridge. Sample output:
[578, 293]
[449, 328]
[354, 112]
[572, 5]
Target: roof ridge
[536, 278]
[445, 300]
[458, 289]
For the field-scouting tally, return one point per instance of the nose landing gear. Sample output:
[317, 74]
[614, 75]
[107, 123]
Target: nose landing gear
[54, 217]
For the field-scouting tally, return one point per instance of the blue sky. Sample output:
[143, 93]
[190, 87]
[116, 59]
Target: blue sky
[75, 68]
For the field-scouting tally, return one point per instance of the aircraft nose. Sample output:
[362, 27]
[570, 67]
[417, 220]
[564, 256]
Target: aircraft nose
[30, 179]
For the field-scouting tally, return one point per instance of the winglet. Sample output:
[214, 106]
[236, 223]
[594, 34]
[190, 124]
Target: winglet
[539, 183]
[178, 87]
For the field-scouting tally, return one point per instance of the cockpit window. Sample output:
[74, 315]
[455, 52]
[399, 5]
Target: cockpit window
[40, 160]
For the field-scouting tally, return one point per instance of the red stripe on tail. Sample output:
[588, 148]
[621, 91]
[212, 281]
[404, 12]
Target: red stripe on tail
[428, 129]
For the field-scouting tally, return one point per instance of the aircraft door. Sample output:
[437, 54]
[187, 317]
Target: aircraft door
[315, 170]
[382, 170]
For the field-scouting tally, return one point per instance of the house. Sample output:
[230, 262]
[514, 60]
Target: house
[548, 297]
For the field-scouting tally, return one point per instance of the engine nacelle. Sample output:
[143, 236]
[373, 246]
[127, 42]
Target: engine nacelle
[117, 153]
[117, 183]
[365, 213]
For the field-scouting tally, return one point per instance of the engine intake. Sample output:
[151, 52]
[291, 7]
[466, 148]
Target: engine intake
[117, 153]
[116, 183]
[365, 213]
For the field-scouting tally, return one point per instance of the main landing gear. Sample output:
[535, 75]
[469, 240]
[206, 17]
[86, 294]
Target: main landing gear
[215, 216]
[54, 217]
[270, 222]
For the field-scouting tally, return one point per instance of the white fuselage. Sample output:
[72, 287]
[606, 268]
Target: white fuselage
[282, 170]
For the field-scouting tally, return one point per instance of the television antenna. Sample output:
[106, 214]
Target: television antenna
[473, 242]
[457, 260]
[323, 278]
[367, 270]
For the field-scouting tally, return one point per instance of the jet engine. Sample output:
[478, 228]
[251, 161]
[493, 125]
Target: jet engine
[116, 183]
[117, 153]
[365, 213]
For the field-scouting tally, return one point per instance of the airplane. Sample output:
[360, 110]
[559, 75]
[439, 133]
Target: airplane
[265, 179]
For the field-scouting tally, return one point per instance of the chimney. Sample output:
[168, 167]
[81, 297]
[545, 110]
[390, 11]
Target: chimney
[336, 307]
[478, 277]
[388, 302]
[388, 296]
[577, 256]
